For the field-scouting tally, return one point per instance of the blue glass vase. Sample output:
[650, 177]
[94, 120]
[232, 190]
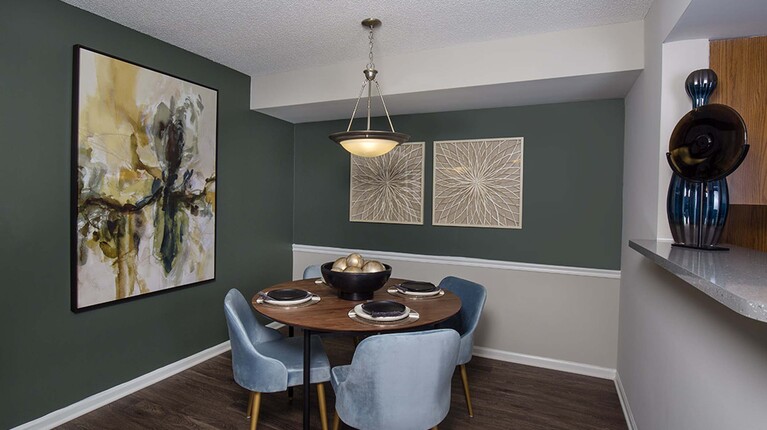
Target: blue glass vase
[699, 85]
[697, 211]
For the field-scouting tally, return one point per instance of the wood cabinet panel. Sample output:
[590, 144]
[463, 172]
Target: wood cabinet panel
[747, 227]
[741, 65]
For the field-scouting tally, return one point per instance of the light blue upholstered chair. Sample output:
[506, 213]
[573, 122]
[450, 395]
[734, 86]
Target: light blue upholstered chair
[473, 298]
[397, 381]
[312, 271]
[263, 361]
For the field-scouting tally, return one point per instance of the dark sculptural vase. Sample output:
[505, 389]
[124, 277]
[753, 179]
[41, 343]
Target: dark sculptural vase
[708, 144]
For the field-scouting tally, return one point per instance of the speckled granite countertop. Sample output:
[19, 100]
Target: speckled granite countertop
[736, 278]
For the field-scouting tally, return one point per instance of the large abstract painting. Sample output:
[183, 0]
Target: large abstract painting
[388, 188]
[144, 194]
[478, 183]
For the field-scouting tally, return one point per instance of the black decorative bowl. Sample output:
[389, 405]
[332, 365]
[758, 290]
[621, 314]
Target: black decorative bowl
[355, 286]
[708, 143]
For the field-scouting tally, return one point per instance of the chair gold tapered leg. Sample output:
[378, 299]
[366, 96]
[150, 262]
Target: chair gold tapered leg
[254, 411]
[323, 410]
[465, 380]
[336, 421]
[434, 428]
[250, 405]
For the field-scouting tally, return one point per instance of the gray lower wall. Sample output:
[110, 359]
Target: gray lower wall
[573, 155]
[687, 362]
[51, 357]
[564, 317]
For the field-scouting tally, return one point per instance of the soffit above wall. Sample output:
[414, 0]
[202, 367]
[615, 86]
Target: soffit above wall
[577, 88]
[574, 65]
[717, 19]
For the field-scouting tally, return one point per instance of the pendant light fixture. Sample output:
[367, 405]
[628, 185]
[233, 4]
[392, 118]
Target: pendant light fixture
[369, 143]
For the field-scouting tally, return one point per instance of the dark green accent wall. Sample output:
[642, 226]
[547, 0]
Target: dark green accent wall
[573, 157]
[50, 357]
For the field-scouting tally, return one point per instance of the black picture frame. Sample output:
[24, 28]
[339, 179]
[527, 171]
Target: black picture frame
[186, 201]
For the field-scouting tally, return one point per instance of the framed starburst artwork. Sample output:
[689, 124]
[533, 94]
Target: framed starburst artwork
[478, 183]
[389, 188]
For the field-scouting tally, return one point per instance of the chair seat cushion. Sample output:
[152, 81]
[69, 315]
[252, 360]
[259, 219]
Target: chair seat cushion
[290, 351]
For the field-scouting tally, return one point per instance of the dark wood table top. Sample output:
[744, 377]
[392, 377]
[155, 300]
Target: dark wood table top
[330, 314]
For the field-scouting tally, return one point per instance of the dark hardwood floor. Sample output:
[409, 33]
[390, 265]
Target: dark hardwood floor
[505, 396]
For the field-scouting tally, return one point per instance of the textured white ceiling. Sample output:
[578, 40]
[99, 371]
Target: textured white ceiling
[266, 36]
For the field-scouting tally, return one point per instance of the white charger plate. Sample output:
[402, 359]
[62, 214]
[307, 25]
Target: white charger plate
[419, 293]
[313, 299]
[288, 302]
[362, 314]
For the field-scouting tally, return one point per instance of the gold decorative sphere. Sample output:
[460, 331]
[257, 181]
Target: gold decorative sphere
[355, 260]
[353, 269]
[339, 265]
[373, 266]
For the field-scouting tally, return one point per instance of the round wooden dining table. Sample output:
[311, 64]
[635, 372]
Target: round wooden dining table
[331, 315]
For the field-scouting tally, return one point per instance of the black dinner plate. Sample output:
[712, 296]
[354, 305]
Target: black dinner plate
[286, 294]
[383, 308]
[418, 286]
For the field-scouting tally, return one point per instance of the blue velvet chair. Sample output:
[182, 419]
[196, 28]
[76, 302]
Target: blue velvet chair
[397, 381]
[263, 361]
[312, 271]
[473, 297]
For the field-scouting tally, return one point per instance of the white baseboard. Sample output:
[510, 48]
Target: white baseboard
[546, 363]
[68, 413]
[63, 415]
[463, 261]
[632, 425]
[532, 360]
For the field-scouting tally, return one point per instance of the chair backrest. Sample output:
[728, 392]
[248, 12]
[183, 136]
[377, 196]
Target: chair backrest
[251, 369]
[312, 271]
[399, 381]
[473, 297]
